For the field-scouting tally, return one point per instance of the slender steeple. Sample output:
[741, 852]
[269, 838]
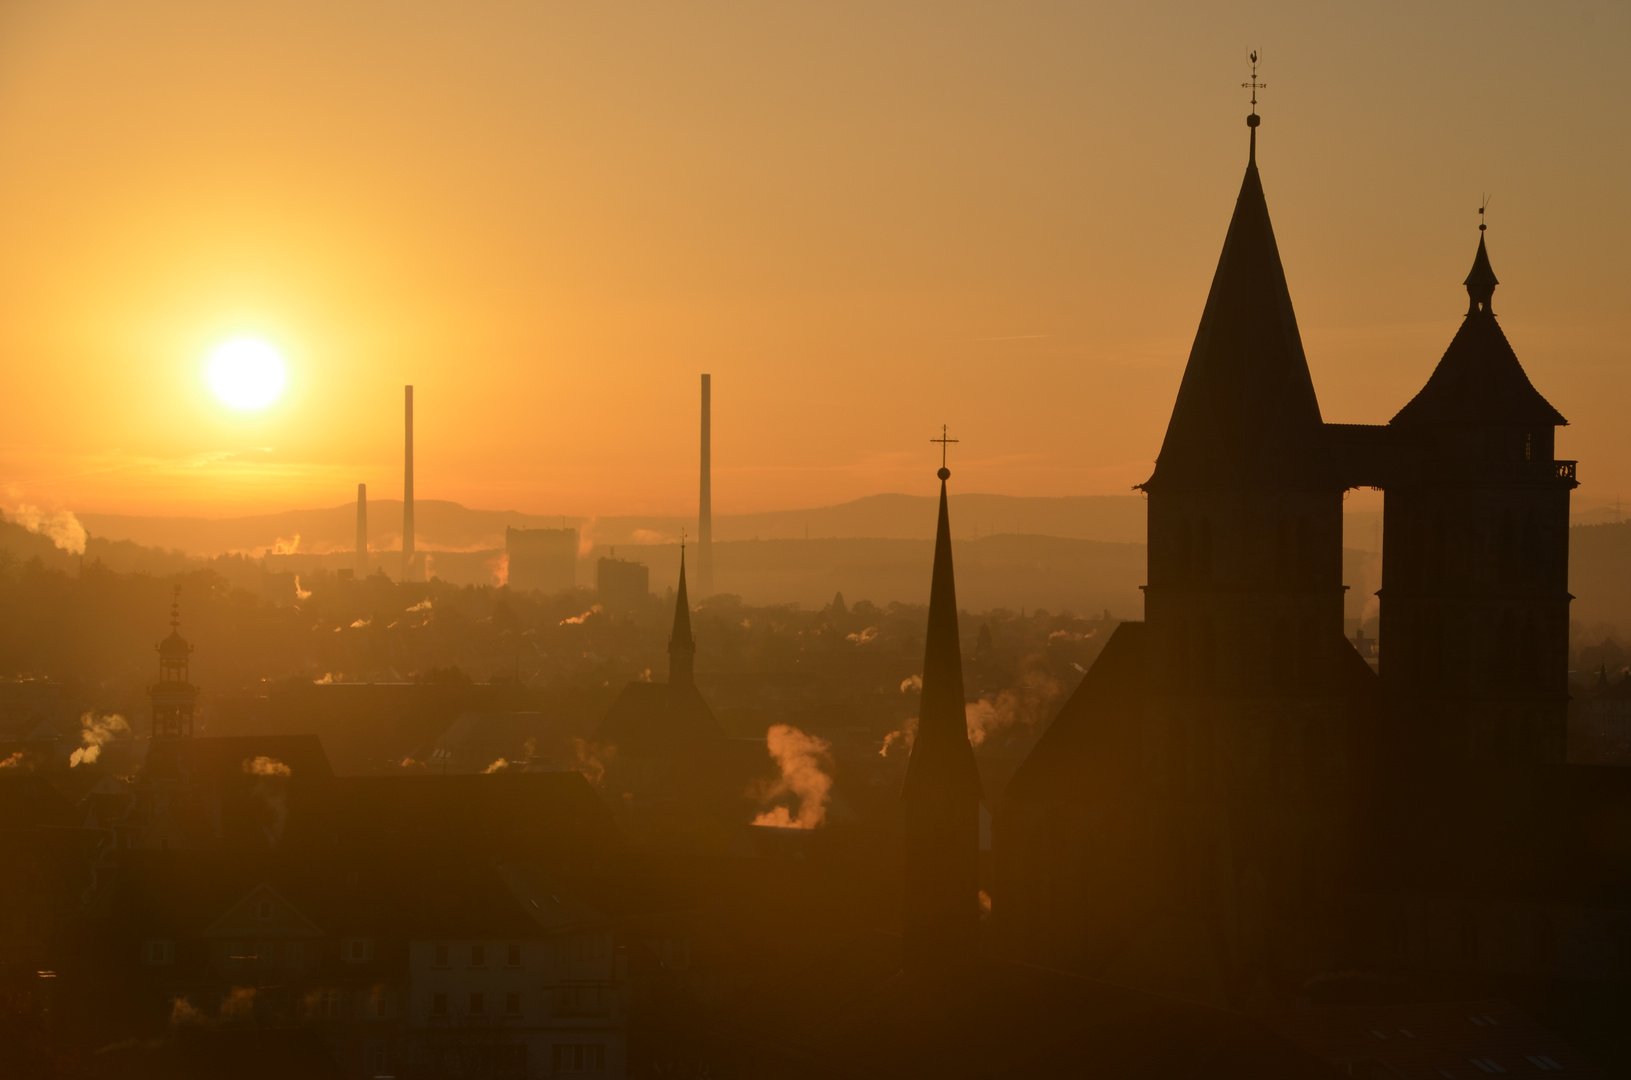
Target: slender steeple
[173, 697]
[1246, 414]
[682, 647]
[940, 921]
[1480, 381]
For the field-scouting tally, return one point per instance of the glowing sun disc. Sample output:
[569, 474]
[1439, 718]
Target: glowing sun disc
[246, 373]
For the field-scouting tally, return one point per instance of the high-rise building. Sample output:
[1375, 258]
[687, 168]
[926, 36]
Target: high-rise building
[542, 559]
[622, 585]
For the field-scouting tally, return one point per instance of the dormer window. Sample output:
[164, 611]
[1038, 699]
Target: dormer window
[263, 910]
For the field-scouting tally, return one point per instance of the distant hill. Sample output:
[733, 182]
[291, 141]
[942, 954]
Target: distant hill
[452, 527]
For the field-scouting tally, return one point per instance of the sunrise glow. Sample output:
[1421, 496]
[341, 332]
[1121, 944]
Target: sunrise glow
[246, 373]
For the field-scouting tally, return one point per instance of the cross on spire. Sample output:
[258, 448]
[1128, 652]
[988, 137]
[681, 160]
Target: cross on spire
[944, 442]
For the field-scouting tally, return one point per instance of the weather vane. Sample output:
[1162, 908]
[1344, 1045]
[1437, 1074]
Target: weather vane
[944, 442]
[1254, 86]
[1483, 204]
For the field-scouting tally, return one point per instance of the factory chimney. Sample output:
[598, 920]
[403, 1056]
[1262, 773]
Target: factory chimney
[407, 487]
[362, 531]
[705, 513]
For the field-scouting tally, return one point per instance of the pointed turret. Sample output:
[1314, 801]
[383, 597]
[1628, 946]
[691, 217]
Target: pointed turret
[682, 647]
[1479, 381]
[940, 923]
[173, 697]
[1246, 414]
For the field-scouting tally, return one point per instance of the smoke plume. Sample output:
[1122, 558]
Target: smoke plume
[592, 760]
[182, 1012]
[280, 546]
[15, 761]
[423, 605]
[913, 683]
[1023, 706]
[62, 528]
[265, 766]
[869, 634]
[94, 731]
[496, 766]
[577, 620]
[800, 758]
[899, 742]
[499, 567]
[300, 594]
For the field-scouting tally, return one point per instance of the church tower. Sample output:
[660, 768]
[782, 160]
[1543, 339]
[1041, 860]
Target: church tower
[1244, 601]
[682, 647]
[174, 696]
[1475, 600]
[940, 920]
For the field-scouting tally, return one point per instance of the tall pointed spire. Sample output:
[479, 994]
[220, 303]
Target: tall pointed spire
[1481, 280]
[1246, 413]
[682, 647]
[940, 922]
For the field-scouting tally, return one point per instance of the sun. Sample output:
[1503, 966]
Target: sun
[246, 373]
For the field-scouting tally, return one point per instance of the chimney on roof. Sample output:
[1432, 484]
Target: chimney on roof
[705, 512]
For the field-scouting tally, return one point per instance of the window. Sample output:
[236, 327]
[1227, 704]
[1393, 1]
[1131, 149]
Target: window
[378, 1060]
[478, 1004]
[440, 956]
[379, 1004]
[478, 956]
[294, 954]
[357, 950]
[514, 957]
[580, 1057]
[263, 910]
[438, 1004]
[512, 1004]
[158, 952]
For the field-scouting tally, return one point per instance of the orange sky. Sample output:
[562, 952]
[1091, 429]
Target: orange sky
[864, 219]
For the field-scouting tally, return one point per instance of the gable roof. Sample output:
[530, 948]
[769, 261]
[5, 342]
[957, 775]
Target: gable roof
[656, 720]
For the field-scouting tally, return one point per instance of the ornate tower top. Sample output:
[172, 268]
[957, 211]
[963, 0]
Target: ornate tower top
[174, 696]
[1252, 119]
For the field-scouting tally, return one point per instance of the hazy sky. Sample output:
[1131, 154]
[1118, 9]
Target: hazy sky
[864, 219]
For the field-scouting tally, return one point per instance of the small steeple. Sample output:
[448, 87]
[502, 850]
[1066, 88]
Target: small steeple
[1481, 281]
[940, 923]
[682, 647]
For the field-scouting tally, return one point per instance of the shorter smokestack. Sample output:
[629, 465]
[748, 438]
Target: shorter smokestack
[362, 530]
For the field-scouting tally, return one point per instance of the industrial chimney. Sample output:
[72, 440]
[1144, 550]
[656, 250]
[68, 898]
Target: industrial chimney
[362, 531]
[407, 487]
[705, 513]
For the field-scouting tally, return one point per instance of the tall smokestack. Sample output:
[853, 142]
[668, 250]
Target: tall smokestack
[362, 530]
[705, 513]
[407, 486]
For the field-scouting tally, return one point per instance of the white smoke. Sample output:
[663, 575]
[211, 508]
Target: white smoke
[899, 742]
[299, 593]
[578, 620]
[865, 636]
[423, 605]
[61, 527]
[914, 683]
[800, 758]
[1024, 706]
[261, 765]
[280, 546]
[94, 732]
[497, 766]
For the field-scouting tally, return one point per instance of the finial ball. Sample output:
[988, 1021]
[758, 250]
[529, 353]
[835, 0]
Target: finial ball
[1482, 227]
[944, 473]
[1253, 120]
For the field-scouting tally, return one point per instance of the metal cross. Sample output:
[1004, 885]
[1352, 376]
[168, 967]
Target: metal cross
[943, 441]
[1254, 85]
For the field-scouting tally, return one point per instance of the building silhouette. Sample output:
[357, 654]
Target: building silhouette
[542, 559]
[1233, 800]
[941, 793]
[173, 697]
[621, 585]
